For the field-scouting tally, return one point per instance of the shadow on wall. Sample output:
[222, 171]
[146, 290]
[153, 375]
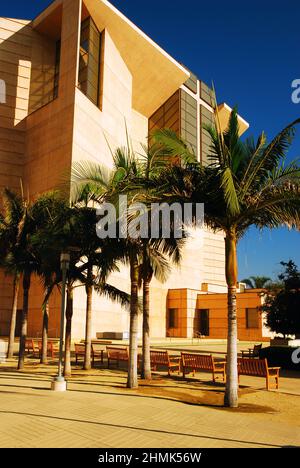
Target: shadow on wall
[27, 71]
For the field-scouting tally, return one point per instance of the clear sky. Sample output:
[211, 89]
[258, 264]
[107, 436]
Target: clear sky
[251, 50]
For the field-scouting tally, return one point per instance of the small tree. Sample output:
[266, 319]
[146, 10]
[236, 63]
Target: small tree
[283, 306]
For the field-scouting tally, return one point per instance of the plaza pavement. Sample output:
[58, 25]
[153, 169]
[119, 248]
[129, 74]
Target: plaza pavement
[98, 411]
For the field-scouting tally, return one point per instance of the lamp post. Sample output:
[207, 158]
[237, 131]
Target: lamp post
[59, 384]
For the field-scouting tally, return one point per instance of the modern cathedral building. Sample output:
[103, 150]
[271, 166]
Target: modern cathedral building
[70, 79]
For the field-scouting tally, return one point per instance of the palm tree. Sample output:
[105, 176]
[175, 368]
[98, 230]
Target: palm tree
[92, 182]
[154, 263]
[24, 220]
[245, 184]
[26, 255]
[99, 259]
[256, 282]
[91, 261]
[131, 175]
[48, 242]
[10, 223]
[20, 258]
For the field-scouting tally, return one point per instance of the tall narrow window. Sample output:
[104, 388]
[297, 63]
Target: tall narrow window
[188, 114]
[252, 318]
[57, 68]
[89, 60]
[172, 318]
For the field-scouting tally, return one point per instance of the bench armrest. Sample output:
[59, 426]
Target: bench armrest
[175, 359]
[274, 368]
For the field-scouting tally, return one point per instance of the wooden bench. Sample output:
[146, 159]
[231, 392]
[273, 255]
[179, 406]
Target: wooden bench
[259, 368]
[80, 352]
[202, 362]
[97, 353]
[117, 353]
[31, 347]
[163, 359]
[50, 348]
[252, 352]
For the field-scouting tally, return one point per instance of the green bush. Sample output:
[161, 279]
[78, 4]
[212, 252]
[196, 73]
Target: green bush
[279, 356]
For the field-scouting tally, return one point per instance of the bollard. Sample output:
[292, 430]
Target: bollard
[3, 351]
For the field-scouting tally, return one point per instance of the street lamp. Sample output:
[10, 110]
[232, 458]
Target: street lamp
[59, 384]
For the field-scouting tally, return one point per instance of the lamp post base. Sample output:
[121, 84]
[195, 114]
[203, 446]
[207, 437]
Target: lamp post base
[59, 384]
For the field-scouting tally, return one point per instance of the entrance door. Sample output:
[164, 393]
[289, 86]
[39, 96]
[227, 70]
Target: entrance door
[201, 322]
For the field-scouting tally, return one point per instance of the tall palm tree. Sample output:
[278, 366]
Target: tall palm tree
[92, 182]
[131, 175]
[245, 184]
[256, 282]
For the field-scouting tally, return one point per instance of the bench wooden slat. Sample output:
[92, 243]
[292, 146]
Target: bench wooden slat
[192, 362]
[258, 368]
[162, 358]
[80, 351]
[117, 353]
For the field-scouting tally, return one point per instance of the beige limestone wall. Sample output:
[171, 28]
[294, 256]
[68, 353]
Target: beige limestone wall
[72, 129]
[49, 136]
[95, 131]
[15, 69]
[42, 71]
[49, 145]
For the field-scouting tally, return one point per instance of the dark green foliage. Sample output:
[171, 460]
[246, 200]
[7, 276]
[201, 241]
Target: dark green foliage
[283, 306]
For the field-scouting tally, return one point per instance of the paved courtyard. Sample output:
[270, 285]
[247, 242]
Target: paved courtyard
[98, 411]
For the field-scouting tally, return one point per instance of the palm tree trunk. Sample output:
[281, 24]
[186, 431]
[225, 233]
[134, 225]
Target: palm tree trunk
[146, 363]
[132, 380]
[44, 356]
[88, 323]
[11, 340]
[231, 392]
[26, 287]
[69, 315]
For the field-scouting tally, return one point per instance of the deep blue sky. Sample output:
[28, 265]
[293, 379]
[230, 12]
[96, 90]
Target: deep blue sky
[251, 50]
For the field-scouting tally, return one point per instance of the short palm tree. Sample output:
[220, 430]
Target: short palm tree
[22, 255]
[91, 261]
[10, 225]
[245, 184]
[256, 282]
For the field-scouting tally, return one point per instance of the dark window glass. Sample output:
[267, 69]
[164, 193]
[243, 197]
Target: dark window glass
[89, 60]
[252, 318]
[57, 68]
[189, 120]
[206, 118]
[172, 319]
[192, 83]
[201, 322]
[206, 93]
